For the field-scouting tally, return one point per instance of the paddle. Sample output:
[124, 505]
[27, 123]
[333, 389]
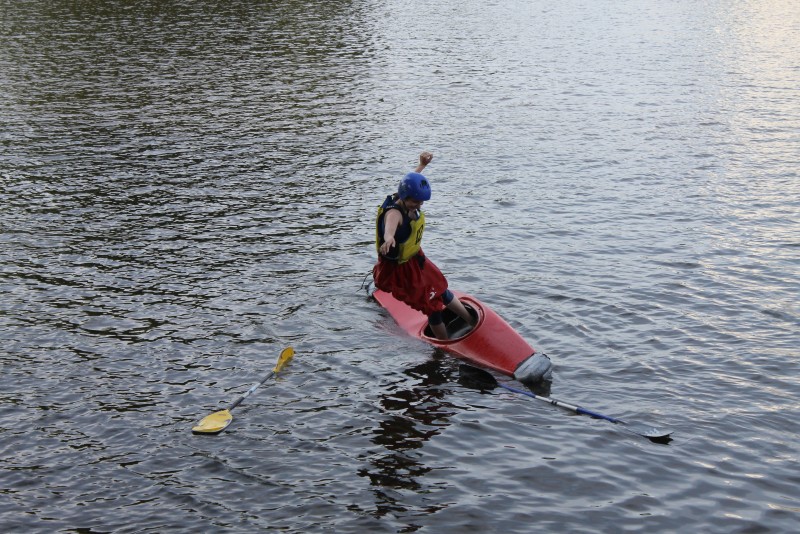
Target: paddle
[219, 421]
[648, 431]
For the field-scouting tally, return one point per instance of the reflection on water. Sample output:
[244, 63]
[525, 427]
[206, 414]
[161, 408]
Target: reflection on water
[413, 416]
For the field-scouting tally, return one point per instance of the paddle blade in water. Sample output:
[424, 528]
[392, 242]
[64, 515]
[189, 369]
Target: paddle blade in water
[472, 377]
[214, 423]
[653, 433]
[283, 359]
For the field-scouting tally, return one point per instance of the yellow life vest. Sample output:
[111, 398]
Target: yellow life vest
[407, 248]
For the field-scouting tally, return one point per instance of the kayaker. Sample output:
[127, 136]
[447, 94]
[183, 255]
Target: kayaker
[403, 269]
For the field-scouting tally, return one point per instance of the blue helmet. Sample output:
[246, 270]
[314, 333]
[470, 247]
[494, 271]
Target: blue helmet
[414, 185]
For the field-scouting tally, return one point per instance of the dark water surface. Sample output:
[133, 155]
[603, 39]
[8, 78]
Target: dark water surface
[188, 187]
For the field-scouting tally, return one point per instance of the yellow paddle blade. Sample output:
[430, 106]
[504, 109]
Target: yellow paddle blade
[286, 355]
[214, 423]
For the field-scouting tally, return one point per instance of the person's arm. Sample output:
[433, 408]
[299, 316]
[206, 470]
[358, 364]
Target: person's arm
[391, 221]
[424, 159]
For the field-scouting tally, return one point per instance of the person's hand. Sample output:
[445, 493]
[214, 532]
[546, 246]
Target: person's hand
[387, 245]
[425, 158]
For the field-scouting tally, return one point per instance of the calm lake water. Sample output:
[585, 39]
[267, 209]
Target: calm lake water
[188, 187]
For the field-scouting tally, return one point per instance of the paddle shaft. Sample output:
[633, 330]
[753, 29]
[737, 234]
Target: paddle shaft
[653, 433]
[561, 404]
[252, 389]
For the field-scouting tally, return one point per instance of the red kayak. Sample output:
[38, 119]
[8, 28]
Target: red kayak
[491, 343]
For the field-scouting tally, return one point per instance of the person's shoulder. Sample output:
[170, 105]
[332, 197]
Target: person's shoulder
[389, 204]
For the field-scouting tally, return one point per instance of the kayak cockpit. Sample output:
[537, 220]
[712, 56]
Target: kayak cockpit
[492, 343]
[457, 327]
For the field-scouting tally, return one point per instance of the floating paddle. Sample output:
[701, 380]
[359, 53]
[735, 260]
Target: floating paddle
[219, 421]
[648, 431]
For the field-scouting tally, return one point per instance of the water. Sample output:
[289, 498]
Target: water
[188, 188]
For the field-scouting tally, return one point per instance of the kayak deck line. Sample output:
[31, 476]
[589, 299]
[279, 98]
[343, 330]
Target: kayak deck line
[491, 343]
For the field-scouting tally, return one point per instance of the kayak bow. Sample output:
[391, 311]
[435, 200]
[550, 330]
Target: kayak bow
[492, 343]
